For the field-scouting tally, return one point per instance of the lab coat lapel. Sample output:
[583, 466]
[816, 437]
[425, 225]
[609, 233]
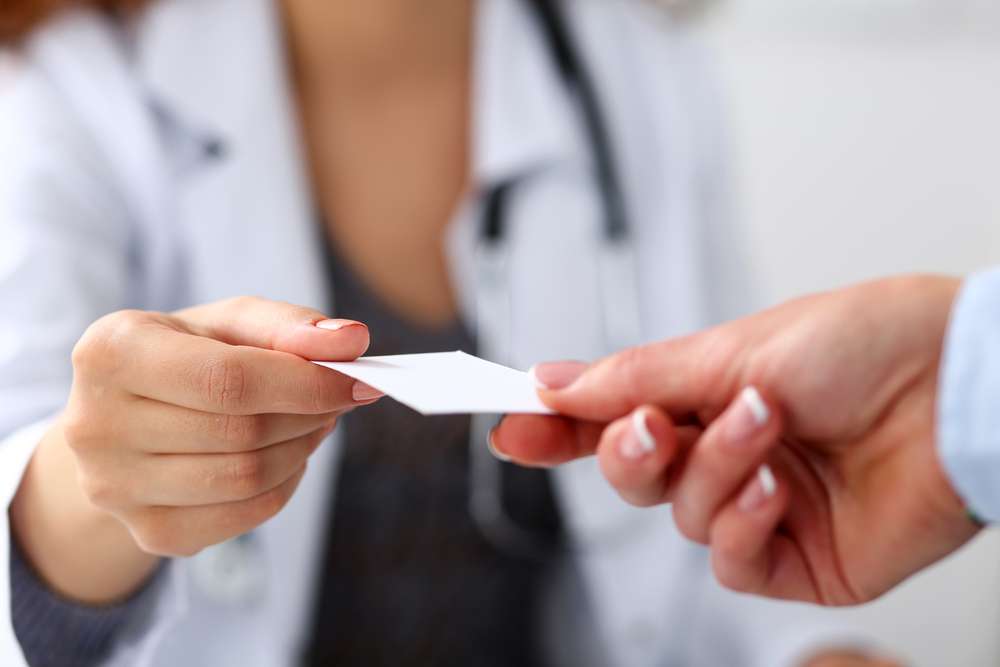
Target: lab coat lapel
[222, 78]
[527, 130]
[249, 223]
[518, 127]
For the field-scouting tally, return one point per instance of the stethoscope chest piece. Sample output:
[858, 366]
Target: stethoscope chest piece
[231, 573]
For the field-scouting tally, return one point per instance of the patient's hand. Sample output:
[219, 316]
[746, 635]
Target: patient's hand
[799, 443]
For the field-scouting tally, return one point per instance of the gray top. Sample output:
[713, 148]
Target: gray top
[56, 632]
[409, 578]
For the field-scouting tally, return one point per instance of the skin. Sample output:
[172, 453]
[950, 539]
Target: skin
[849, 379]
[387, 131]
[165, 456]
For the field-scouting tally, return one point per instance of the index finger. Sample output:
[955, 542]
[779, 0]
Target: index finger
[682, 376]
[274, 325]
[155, 360]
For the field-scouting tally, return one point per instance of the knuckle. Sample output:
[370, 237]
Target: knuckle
[296, 313]
[725, 548]
[149, 544]
[640, 496]
[223, 382]
[88, 351]
[156, 545]
[716, 468]
[100, 345]
[314, 440]
[630, 364]
[324, 394]
[268, 505]
[77, 430]
[622, 478]
[241, 303]
[153, 534]
[246, 475]
[728, 576]
[687, 525]
[102, 492]
[241, 432]
[635, 498]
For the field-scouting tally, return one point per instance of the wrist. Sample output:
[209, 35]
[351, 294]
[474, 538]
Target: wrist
[80, 551]
[959, 521]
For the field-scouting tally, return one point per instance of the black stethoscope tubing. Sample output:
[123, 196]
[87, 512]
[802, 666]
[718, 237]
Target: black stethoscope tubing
[486, 502]
[580, 85]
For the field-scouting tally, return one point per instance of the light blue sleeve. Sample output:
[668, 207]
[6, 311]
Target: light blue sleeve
[969, 397]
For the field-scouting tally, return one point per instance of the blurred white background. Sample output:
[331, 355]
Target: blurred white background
[866, 141]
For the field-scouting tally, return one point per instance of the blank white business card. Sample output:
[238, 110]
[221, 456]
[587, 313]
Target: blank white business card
[443, 383]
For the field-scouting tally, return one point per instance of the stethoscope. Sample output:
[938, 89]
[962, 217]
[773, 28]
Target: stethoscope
[619, 294]
[233, 571]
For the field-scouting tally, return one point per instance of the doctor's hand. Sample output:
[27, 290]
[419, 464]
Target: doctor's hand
[798, 444]
[181, 431]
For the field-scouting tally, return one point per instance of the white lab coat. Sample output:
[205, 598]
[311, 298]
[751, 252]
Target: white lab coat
[107, 202]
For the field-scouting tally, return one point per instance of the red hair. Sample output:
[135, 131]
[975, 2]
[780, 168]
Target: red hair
[20, 17]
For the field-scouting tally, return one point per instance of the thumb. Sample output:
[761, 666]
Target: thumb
[275, 325]
[682, 376]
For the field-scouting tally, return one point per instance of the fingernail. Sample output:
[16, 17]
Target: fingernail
[337, 325]
[557, 375]
[750, 414]
[491, 443]
[638, 441]
[361, 392]
[762, 488]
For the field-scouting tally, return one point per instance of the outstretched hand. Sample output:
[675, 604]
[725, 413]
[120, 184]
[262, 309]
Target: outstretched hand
[799, 444]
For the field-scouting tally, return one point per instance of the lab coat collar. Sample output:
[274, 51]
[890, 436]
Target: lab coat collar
[210, 66]
[524, 119]
[215, 73]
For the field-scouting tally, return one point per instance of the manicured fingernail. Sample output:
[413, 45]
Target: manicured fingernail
[761, 488]
[492, 444]
[750, 414]
[638, 441]
[337, 325]
[361, 392]
[557, 375]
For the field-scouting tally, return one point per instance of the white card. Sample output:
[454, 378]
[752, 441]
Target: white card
[443, 383]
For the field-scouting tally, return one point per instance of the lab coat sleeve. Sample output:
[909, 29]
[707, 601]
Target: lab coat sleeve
[64, 262]
[968, 419]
